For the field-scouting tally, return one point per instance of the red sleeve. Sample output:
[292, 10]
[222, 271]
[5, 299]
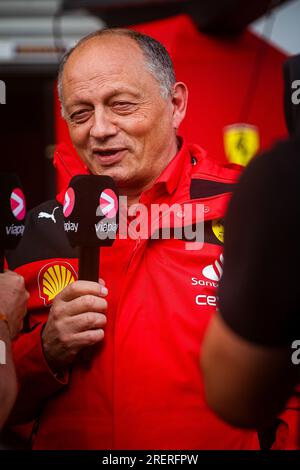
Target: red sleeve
[36, 380]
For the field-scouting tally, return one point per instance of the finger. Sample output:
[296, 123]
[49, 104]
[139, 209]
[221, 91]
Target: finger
[9, 272]
[80, 288]
[26, 297]
[87, 338]
[15, 277]
[86, 321]
[83, 304]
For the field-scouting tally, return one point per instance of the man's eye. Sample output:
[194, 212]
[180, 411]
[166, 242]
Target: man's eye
[123, 106]
[80, 116]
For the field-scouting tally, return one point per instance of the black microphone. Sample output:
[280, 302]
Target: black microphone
[12, 213]
[91, 219]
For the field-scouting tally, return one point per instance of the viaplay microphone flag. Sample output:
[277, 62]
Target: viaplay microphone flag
[91, 211]
[12, 213]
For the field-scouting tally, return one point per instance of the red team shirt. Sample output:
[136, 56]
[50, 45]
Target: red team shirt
[141, 388]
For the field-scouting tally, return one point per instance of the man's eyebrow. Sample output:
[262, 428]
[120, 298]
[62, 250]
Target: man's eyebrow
[78, 102]
[125, 90]
[110, 94]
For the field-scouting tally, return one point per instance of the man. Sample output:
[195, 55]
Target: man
[249, 357]
[13, 300]
[121, 372]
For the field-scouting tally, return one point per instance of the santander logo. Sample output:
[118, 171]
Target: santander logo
[69, 202]
[214, 271]
[108, 203]
[17, 204]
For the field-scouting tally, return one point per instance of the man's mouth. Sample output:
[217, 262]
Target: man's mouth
[108, 156]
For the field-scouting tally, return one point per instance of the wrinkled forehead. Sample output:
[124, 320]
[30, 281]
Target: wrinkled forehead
[106, 55]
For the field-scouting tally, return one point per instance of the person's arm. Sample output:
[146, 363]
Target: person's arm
[246, 384]
[13, 301]
[8, 381]
[247, 364]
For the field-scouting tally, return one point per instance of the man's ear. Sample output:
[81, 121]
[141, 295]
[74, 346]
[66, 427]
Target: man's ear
[179, 101]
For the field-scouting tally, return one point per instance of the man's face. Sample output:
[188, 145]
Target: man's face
[119, 123]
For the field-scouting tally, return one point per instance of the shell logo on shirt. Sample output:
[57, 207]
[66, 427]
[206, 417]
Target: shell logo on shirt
[53, 278]
[241, 143]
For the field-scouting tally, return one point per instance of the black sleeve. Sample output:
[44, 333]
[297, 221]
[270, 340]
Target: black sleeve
[259, 290]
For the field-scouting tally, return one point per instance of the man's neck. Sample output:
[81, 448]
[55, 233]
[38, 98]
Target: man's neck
[133, 195]
[133, 199]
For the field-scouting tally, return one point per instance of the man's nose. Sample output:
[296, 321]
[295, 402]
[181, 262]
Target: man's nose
[102, 126]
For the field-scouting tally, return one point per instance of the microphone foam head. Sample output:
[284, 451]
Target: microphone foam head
[12, 210]
[91, 211]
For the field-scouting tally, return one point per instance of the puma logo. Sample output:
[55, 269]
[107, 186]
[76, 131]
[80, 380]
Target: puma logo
[45, 215]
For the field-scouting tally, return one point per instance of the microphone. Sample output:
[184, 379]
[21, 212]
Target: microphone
[90, 219]
[12, 213]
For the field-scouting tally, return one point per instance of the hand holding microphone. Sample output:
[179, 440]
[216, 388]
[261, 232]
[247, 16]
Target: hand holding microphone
[13, 295]
[76, 320]
[78, 315]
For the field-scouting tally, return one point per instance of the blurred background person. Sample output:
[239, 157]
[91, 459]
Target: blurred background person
[249, 357]
[247, 353]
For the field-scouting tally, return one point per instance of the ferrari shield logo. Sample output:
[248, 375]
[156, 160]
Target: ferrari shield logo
[241, 142]
[218, 229]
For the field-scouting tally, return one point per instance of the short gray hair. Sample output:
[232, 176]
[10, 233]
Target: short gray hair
[157, 59]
